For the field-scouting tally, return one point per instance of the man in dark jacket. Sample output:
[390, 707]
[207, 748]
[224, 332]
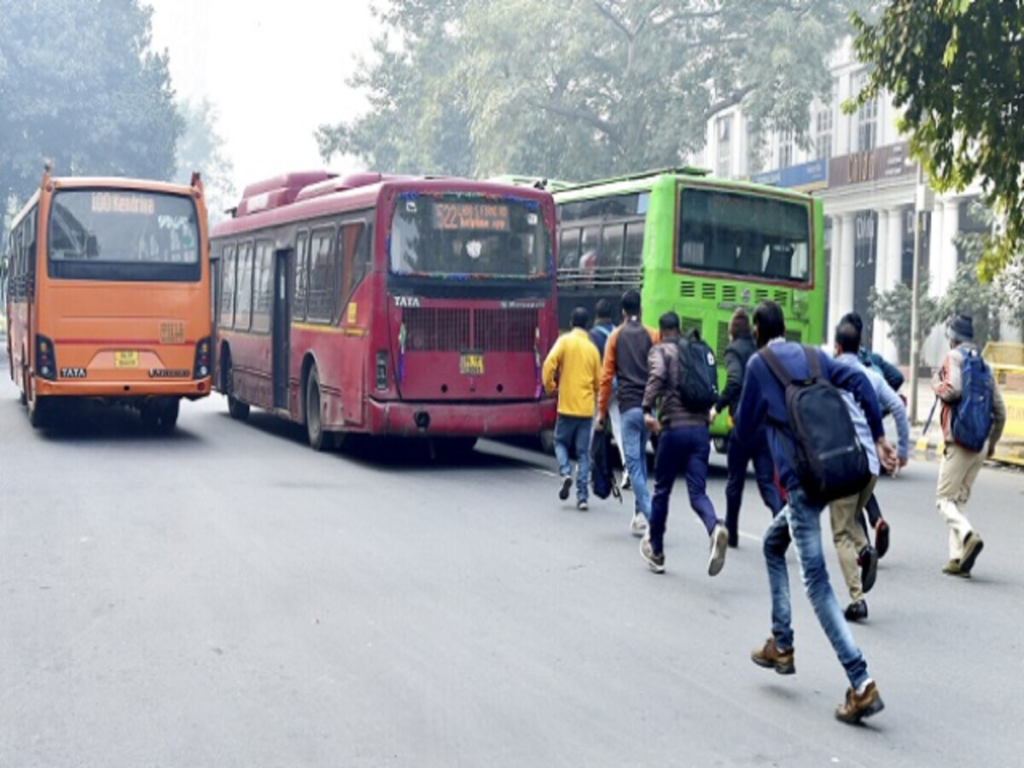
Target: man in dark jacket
[889, 372]
[764, 398]
[741, 349]
[685, 443]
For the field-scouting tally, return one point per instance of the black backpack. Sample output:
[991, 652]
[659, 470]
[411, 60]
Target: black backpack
[602, 474]
[830, 461]
[698, 374]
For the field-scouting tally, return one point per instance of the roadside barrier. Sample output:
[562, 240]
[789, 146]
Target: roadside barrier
[1007, 361]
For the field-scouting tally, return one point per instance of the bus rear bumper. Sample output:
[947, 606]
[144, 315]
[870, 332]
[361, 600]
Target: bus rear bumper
[460, 420]
[124, 390]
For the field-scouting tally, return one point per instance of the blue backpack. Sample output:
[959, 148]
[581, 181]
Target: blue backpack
[972, 414]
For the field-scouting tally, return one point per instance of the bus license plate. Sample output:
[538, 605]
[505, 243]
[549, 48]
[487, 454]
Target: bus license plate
[471, 365]
[126, 359]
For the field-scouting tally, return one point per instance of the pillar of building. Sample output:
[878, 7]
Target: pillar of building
[841, 225]
[893, 275]
[880, 328]
[937, 278]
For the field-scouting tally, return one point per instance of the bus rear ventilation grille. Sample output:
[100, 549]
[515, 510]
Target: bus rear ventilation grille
[781, 297]
[761, 294]
[504, 330]
[729, 293]
[688, 290]
[707, 291]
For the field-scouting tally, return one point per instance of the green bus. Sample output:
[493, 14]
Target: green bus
[696, 245]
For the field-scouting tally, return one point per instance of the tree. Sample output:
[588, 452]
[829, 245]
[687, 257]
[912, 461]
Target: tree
[80, 84]
[893, 307]
[582, 88]
[201, 148]
[955, 67]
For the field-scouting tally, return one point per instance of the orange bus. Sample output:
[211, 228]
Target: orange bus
[109, 296]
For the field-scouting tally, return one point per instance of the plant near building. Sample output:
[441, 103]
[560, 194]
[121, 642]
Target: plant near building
[955, 68]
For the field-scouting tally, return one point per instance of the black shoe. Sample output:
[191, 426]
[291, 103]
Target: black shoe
[856, 611]
[868, 562]
[972, 548]
[881, 538]
[563, 492]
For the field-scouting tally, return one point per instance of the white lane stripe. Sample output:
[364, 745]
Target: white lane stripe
[544, 472]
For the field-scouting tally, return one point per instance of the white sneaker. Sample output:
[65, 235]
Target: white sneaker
[719, 546]
[638, 525]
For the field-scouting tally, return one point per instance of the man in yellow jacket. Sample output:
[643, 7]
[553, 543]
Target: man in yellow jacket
[573, 367]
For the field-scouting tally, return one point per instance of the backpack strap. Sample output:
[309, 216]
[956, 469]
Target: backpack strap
[813, 363]
[604, 330]
[776, 367]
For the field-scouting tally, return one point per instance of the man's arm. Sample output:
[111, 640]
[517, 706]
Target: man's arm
[948, 380]
[998, 419]
[892, 403]
[551, 367]
[855, 381]
[733, 381]
[656, 376]
[753, 405]
[607, 374]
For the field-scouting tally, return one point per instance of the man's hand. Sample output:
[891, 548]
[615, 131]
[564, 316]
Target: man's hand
[599, 426]
[652, 424]
[991, 451]
[713, 415]
[887, 455]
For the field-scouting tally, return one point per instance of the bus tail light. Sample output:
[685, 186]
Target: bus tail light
[201, 369]
[382, 370]
[46, 358]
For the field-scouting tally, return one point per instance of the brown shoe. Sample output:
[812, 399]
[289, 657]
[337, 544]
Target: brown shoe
[771, 657]
[952, 568]
[857, 707]
[972, 548]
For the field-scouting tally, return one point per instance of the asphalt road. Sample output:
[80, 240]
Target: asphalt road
[226, 597]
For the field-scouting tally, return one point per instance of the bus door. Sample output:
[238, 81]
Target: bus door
[282, 327]
[215, 292]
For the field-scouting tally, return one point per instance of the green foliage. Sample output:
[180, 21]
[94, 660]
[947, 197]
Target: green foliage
[956, 68]
[894, 307]
[581, 88]
[201, 148]
[80, 84]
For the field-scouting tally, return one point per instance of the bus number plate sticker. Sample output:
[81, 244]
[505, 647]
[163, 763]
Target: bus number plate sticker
[172, 332]
[126, 359]
[471, 365]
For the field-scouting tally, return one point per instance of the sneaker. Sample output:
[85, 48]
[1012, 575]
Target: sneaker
[770, 657]
[858, 706]
[972, 548]
[627, 484]
[582, 506]
[656, 562]
[868, 562]
[563, 492]
[881, 538]
[856, 611]
[952, 568]
[719, 546]
[638, 526]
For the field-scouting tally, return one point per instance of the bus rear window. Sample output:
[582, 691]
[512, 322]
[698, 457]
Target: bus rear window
[472, 236]
[745, 235]
[123, 235]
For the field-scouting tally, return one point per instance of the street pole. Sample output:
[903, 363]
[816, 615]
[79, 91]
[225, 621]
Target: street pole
[923, 203]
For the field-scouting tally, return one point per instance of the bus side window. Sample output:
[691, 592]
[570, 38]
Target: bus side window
[323, 262]
[227, 288]
[301, 276]
[263, 286]
[243, 303]
[610, 254]
[569, 249]
[588, 248]
[353, 241]
[634, 254]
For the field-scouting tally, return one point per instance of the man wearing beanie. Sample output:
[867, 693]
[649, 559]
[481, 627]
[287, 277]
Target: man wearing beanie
[964, 382]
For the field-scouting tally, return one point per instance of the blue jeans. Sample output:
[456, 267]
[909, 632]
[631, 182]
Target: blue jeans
[686, 448]
[634, 445]
[803, 519]
[739, 457]
[572, 435]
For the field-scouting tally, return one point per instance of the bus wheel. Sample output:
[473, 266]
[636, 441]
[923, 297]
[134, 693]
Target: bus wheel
[318, 439]
[161, 418]
[721, 444]
[24, 384]
[238, 410]
[39, 412]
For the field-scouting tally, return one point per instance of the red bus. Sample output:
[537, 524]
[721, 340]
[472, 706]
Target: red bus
[385, 305]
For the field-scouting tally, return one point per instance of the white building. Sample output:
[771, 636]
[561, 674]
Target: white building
[858, 164]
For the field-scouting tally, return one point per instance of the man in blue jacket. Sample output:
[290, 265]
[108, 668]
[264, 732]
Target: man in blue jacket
[764, 398]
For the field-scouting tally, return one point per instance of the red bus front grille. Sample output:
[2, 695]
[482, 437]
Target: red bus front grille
[436, 330]
[448, 330]
[505, 330]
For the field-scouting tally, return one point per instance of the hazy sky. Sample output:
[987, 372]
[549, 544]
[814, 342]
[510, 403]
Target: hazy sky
[275, 70]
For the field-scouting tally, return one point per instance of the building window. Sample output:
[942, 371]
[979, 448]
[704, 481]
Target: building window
[867, 118]
[723, 134]
[785, 149]
[823, 133]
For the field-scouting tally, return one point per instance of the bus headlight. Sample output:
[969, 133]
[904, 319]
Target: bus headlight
[201, 367]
